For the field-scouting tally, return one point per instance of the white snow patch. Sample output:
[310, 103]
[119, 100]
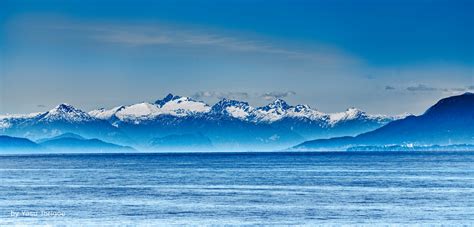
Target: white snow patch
[349, 114]
[268, 116]
[184, 106]
[304, 111]
[139, 110]
[237, 112]
[4, 124]
[19, 116]
[105, 114]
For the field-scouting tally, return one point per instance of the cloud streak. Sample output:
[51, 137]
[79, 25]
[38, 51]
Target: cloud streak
[168, 36]
[140, 35]
[426, 88]
[220, 95]
[268, 96]
[421, 87]
[277, 95]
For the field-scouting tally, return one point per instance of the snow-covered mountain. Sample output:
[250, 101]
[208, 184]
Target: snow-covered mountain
[185, 107]
[233, 108]
[304, 111]
[63, 118]
[105, 114]
[67, 113]
[226, 123]
[170, 105]
[6, 121]
[61, 113]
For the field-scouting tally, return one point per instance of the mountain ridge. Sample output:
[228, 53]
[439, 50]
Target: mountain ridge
[271, 112]
[449, 121]
[229, 124]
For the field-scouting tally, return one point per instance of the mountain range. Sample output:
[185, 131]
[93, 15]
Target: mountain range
[65, 143]
[227, 125]
[450, 121]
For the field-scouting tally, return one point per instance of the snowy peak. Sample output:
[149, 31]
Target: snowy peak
[233, 108]
[139, 110]
[105, 114]
[167, 98]
[224, 103]
[353, 113]
[132, 113]
[169, 105]
[181, 106]
[278, 105]
[301, 108]
[66, 112]
[350, 114]
[304, 111]
[64, 107]
[273, 111]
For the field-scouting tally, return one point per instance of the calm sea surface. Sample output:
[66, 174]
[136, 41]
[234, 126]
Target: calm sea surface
[244, 188]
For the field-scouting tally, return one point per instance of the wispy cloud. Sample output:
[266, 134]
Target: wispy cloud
[426, 88]
[421, 87]
[458, 89]
[146, 34]
[242, 95]
[277, 95]
[220, 95]
[156, 35]
[388, 87]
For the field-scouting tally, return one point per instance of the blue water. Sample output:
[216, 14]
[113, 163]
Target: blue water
[229, 188]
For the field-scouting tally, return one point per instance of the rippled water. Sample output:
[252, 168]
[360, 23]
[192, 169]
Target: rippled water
[245, 188]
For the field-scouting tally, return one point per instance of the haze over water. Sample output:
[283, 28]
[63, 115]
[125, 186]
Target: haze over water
[245, 188]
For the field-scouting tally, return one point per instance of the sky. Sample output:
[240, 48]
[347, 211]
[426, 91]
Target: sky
[384, 57]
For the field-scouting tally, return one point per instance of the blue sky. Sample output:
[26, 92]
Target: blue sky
[385, 57]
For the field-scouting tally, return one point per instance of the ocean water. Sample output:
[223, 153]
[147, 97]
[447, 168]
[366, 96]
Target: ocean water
[238, 188]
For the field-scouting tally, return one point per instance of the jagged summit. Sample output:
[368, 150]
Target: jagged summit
[353, 112]
[305, 112]
[224, 103]
[301, 108]
[233, 108]
[278, 105]
[167, 98]
[66, 112]
[64, 107]
[183, 106]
